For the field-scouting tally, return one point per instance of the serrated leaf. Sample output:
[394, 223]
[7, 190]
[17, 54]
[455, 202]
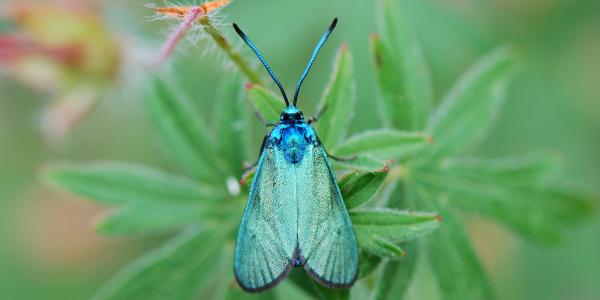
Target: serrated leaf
[516, 171]
[117, 183]
[537, 213]
[458, 271]
[266, 104]
[511, 193]
[381, 231]
[402, 72]
[338, 101]
[358, 187]
[177, 270]
[149, 219]
[361, 164]
[397, 275]
[185, 136]
[386, 248]
[468, 110]
[230, 122]
[383, 143]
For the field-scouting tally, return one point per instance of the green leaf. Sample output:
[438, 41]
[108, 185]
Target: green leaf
[149, 219]
[333, 294]
[116, 183]
[468, 111]
[380, 231]
[537, 213]
[511, 191]
[515, 171]
[338, 101]
[149, 201]
[325, 293]
[312, 288]
[358, 187]
[567, 204]
[317, 291]
[303, 282]
[185, 136]
[266, 104]
[397, 275]
[402, 72]
[458, 271]
[383, 143]
[368, 263]
[361, 164]
[177, 270]
[230, 122]
[239, 294]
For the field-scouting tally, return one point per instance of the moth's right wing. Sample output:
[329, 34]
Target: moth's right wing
[326, 239]
[267, 237]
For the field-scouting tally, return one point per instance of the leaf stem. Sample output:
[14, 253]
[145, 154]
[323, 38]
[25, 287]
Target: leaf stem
[224, 44]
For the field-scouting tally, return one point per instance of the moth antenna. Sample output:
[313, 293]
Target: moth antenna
[262, 60]
[320, 44]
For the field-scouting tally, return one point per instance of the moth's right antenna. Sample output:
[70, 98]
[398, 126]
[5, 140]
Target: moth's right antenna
[313, 57]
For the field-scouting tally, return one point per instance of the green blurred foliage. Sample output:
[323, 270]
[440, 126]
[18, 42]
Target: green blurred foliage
[552, 104]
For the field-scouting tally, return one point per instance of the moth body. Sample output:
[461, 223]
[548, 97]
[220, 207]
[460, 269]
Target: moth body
[295, 215]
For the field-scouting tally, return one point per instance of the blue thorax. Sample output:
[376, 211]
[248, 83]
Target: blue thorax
[292, 135]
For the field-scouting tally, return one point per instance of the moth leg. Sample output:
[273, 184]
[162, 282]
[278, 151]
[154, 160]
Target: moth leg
[247, 173]
[263, 121]
[253, 166]
[251, 169]
[349, 158]
[317, 116]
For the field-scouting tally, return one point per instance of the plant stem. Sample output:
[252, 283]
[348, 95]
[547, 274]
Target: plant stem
[222, 42]
[182, 29]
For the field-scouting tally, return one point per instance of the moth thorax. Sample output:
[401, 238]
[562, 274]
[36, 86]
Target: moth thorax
[293, 144]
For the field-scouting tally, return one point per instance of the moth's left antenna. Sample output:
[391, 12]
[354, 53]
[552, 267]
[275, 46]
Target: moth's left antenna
[262, 59]
[314, 56]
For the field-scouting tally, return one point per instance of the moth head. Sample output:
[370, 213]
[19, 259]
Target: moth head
[290, 114]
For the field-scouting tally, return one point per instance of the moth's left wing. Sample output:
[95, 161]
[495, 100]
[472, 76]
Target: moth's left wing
[266, 242]
[326, 238]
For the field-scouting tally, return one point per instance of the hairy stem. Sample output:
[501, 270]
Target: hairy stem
[169, 46]
[224, 44]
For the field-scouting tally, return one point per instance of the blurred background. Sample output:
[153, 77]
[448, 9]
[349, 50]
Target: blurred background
[82, 102]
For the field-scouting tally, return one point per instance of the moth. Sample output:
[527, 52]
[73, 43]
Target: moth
[295, 215]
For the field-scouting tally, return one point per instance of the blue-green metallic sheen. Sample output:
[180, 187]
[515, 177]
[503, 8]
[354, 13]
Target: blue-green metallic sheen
[295, 215]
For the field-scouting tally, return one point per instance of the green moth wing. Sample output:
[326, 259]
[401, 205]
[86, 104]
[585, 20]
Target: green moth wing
[267, 238]
[326, 240]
